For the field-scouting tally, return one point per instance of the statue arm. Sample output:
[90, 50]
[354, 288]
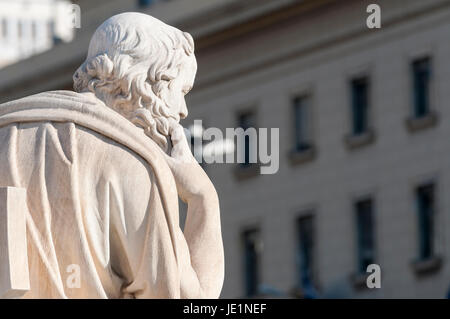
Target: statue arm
[203, 236]
[202, 253]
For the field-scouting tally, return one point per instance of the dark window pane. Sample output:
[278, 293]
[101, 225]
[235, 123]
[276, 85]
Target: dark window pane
[360, 105]
[144, 3]
[305, 250]
[365, 233]
[301, 110]
[421, 74]
[425, 206]
[251, 261]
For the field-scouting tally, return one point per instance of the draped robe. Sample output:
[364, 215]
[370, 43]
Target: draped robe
[101, 201]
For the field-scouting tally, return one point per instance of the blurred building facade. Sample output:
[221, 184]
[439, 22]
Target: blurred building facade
[363, 117]
[31, 27]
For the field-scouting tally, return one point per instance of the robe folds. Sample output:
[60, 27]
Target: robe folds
[101, 202]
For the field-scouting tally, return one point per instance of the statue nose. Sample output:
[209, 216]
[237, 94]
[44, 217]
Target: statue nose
[183, 112]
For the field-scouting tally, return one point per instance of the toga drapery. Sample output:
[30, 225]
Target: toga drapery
[100, 196]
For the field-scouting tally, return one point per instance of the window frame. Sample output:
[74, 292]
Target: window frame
[258, 273]
[305, 215]
[421, 256]
[359, 268]
[352, 141]
[414, 107]
[308, 132]
[367, 108]
[419, 266]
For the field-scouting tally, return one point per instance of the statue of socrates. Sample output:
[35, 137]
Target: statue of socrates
[90, 180]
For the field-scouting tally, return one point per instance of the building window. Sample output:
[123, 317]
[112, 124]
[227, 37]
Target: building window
[365, 234]
[305, 253]
[422, 116]
[421, 69]
[33, 30]
[302, 123]
[425, 201]
[247, 121]
[252, 249]
[145, 3]
[360, 134]
[5, 28]
[19, 29]
[360, 105]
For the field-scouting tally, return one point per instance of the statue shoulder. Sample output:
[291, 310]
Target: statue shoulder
[87, 111]
[54, 97]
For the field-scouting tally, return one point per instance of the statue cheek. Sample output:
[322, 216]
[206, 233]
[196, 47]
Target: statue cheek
[172, 100]
[166, 96]
[176, 102]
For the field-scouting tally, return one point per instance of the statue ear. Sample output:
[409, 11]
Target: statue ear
[80, 78]
[170, 73]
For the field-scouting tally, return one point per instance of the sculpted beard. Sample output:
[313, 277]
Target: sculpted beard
[157, 127]
[132, 96]
[150, 112]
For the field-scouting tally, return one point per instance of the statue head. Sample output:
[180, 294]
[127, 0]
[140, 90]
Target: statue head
[142, 68]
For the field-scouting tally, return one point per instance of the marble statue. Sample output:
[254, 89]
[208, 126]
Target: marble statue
[90, 180]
